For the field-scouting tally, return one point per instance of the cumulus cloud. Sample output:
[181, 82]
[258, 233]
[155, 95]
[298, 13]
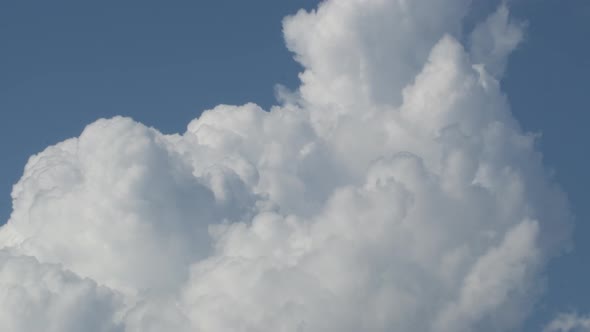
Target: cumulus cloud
[393, 191]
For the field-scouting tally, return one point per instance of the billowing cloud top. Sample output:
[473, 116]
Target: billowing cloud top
[393, 191]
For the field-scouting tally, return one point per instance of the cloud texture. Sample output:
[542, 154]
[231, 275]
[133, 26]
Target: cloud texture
[570, 322]
[393, 191]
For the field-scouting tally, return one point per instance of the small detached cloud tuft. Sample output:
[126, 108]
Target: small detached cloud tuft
[570, 322]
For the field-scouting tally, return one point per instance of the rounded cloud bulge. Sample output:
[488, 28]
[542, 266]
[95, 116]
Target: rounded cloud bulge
[392, 191]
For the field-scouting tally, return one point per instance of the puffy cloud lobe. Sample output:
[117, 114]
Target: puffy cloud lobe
[392, 191]
[42, 297]
[347, 47]
[112, 205]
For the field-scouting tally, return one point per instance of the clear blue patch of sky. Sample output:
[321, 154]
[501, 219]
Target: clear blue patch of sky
[63, 64]
[548, 85]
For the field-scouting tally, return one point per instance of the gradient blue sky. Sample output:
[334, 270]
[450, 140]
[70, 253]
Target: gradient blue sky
[64, 64]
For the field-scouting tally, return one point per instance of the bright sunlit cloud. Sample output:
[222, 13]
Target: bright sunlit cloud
[392, 191]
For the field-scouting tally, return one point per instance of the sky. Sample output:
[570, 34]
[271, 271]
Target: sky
[546, 84]
[64, 65]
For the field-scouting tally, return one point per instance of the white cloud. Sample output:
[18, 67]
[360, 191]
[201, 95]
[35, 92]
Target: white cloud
[392, 191]
[570, 322]
[494, 39]
[42, 297]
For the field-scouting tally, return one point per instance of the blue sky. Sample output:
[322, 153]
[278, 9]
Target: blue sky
[547, 85]
[65, 64]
